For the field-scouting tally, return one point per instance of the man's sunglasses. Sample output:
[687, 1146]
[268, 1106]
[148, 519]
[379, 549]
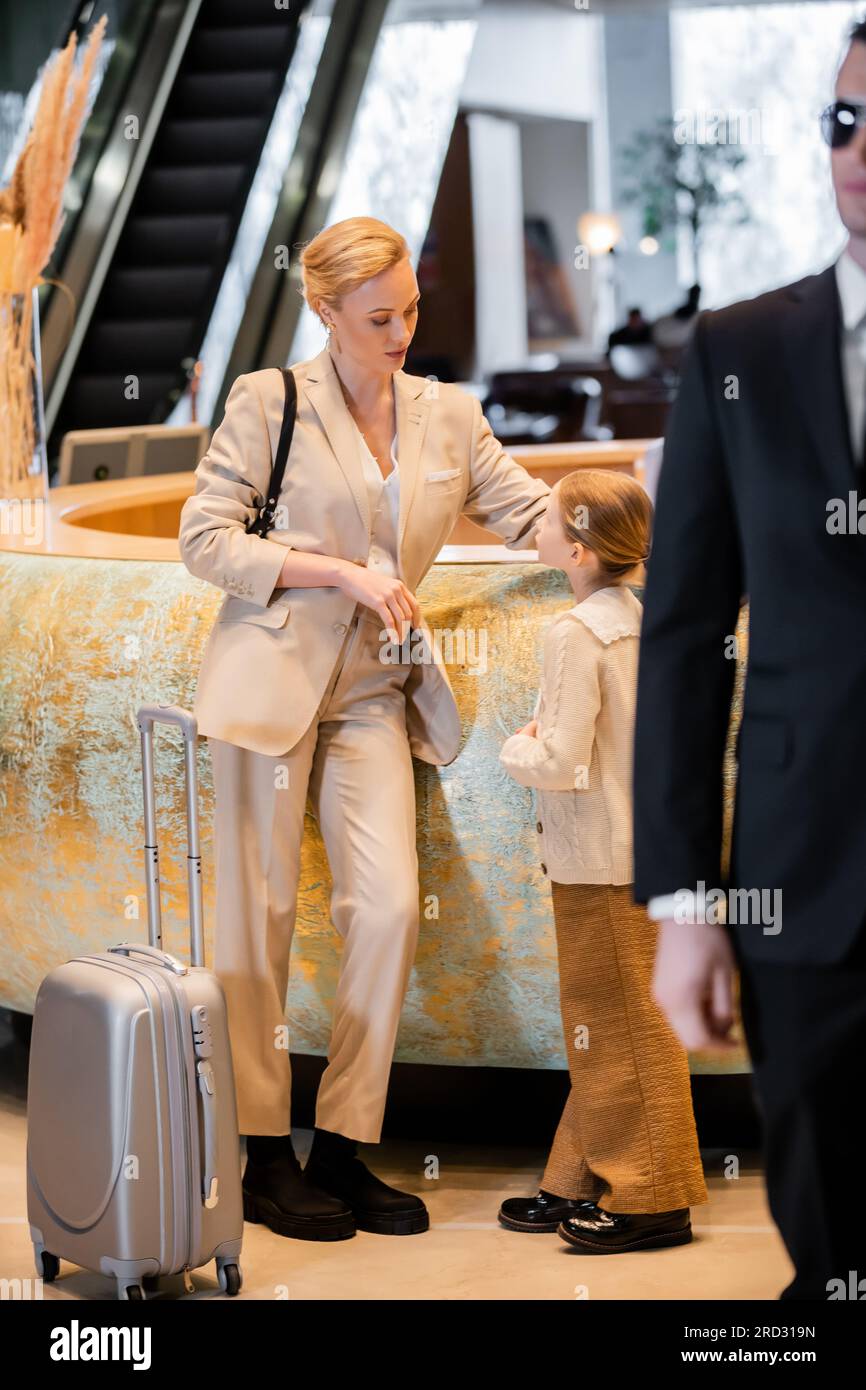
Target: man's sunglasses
[840, 120]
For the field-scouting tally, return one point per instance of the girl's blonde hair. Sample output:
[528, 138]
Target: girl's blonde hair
[343, 256]
[611, 514]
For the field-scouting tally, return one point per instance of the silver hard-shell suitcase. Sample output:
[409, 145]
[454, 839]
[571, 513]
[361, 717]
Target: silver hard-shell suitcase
[133, 1154]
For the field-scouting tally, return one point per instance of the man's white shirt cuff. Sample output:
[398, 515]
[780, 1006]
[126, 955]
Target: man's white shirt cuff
[678, 907]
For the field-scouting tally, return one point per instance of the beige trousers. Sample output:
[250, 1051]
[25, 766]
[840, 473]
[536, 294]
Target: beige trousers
[355, 765]
[627, 1137]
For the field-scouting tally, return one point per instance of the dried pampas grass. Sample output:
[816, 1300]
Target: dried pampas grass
[31, 217]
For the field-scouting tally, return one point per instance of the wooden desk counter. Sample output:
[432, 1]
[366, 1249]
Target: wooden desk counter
[137, 518]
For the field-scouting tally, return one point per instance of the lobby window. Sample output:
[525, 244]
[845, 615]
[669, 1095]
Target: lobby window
[400, 135]
[772, 67]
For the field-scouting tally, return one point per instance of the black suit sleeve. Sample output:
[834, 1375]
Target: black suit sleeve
[685, 679]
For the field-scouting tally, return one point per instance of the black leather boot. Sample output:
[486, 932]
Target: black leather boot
[602, 1232]
[276, 1194]
[543, 1212]
[333, 1166]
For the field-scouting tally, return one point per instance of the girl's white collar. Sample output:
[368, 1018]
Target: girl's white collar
[610, 613]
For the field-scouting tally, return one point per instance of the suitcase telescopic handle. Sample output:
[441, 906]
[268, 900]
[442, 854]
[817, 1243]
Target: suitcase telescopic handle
[148, 715]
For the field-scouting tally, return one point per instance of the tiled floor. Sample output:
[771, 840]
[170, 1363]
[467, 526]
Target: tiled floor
[736, 1253]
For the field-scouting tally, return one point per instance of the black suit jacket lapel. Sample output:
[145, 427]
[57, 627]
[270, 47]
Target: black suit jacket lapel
[812, 348]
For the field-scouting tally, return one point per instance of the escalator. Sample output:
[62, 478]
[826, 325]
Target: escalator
[149, 317]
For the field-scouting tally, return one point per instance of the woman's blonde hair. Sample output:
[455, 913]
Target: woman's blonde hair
[611, 514]
[343, 256]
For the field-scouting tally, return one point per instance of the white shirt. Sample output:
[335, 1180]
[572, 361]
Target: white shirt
[384, 496]
[851, 283]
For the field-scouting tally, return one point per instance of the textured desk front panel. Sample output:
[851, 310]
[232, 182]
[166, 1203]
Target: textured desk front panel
[85, 641]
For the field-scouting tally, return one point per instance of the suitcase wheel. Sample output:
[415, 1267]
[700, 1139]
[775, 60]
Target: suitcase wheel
[47, 1266]
[230, 1277]
[130, 1292]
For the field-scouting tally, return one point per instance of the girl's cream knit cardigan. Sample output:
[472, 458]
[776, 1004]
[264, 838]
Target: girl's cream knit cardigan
[580, 763]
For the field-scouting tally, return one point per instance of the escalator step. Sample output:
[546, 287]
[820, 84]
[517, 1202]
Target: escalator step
[174, 240]
[228, 93]
[229, 47]
[209, 140]
[149, 290]
[98, 401]
[212, 188]
[138, 345]
[246, 12]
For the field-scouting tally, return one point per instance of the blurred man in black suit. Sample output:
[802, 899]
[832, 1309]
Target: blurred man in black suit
[763, 494]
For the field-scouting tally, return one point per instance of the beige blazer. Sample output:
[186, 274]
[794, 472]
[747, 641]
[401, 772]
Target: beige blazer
[271, 651]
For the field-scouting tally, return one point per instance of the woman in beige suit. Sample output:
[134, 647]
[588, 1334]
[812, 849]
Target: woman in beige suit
[295, 701]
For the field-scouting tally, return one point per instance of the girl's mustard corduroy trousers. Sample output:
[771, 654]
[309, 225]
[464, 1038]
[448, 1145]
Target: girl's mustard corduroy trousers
[627, 1137]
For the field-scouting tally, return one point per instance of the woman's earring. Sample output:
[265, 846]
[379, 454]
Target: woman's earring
[331, 334]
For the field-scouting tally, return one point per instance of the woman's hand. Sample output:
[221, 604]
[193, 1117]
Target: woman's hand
[385, 594]
[530, 729]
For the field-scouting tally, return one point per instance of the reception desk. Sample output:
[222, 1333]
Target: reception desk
[99, 615]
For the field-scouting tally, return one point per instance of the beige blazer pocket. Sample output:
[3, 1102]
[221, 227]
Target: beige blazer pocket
[240, 610]
[441, 475]
[443, 482]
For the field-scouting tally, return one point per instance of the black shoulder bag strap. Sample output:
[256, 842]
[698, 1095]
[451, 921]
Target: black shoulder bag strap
[261, 524]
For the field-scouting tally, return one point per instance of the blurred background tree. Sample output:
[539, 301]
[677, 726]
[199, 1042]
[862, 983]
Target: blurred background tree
[684, 183]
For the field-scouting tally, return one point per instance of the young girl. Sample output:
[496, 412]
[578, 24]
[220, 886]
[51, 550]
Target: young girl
[624, 1167]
